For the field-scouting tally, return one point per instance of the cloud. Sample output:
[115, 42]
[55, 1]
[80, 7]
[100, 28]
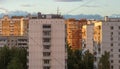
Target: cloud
[27, 5]
[3, 9]
[15, 13]
[67, 0]
[91, 6]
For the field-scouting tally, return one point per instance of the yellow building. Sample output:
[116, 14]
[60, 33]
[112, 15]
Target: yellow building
[14, 26]
[74, 32]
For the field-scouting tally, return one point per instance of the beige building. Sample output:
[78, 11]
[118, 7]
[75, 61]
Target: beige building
[13, 31]
[74, 32]
[87, 37]
[13, 26]
[47, 43]
[106, 37]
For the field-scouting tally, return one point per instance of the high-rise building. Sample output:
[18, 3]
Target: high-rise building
[13, 31]
[14, 26]
[74, 32]
[87, 37]
[16, 41]
[47, 42]
[106, 37]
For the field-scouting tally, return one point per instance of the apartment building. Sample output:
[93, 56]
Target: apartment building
[13, 26]
[87, 37]
[74, 32]
[106, 37]
[13, 31]
[47, 42]
[16, 41]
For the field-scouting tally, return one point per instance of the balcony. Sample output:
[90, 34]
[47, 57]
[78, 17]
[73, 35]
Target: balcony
[46, 29]
[46, 36]
[46, 65]
[46, 43]
[46, 57]
[46, 50]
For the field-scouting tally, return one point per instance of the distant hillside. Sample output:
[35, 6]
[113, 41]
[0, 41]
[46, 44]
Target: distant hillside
[80, 16]
[15, 13]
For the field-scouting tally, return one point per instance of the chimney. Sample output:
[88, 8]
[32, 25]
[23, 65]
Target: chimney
[106, 18]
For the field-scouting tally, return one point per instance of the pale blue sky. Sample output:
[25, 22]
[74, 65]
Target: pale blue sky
[102, 7]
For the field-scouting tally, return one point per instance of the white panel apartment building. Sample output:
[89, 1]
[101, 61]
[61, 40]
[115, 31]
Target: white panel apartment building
[106, 37]
[47, 42]
[87, 37]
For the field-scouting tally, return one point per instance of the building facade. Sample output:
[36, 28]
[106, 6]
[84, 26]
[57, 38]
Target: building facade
[47, 43]
[106, 37]
[87, 37]
[13, 31]
[14, 41]
[13, 26]
[74, 32]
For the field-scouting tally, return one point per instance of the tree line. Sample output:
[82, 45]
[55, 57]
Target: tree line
[13, 58]
[77, 59]
[16, 58]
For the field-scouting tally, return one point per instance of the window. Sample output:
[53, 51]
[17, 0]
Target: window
[22, 40]
[46, 53]
[111, 61]
[118, 38]
[46, 32]
[46, 39]
[99, 27]
[119, 55]
[119, 50]
[95, 58]
[111, 38]
[111, 55]
[46, 26]
[119, 67]
[111, 44]
[118, 27]
[118, 33]
[118, 44]
[111, 66]
[111, 27]
[111, 50]
[46, 61]
[46, 67]
[99, 50]
[46, 46]
[111, 33]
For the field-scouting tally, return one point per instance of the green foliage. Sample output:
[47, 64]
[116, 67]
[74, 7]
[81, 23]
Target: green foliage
[104, 61]
[10, 58]
[4, 57]
[88, 60]
[77, 60]
[15, 64]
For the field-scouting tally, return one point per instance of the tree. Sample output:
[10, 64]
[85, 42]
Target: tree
[21, 54]
[4, 57]
[104, 61]
[88, 60]
[78, 60]
[15, 64]
[11, 56]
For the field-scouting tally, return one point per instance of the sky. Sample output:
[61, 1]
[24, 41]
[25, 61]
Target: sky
[73, 7]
